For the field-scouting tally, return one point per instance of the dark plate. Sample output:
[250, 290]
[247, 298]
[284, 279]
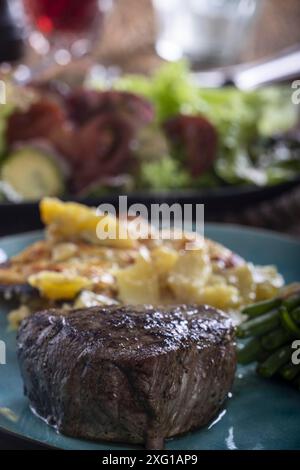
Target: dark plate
[23, 217]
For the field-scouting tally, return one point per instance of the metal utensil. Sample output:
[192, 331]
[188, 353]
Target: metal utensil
[279, 68]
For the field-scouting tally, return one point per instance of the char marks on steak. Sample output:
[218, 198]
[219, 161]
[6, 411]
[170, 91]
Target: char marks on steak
[127, 374]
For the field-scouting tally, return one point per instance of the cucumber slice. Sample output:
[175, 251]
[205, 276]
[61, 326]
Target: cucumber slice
[32, 174]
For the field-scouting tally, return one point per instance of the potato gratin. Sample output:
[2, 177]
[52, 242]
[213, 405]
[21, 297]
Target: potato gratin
[72, 267]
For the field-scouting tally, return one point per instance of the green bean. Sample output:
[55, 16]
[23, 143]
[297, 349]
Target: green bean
[290, 371]
[288, 322]
[260, 308]
[292, 302]
[260, 325]
[274, 362]
[275, 339]
[250, 352]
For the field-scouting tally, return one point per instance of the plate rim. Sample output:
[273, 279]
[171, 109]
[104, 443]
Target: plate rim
[22, 438]
[218, 192]
[211, 225]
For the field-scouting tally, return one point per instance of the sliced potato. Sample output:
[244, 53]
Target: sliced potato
[220, 296]
[58, 286]
[242, 277]
[164, 259]
[72, 220]
[87, 299]
[64, 251]
[189, 275]
[138, 284]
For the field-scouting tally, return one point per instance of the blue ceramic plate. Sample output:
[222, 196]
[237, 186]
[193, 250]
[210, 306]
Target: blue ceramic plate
[260, 415]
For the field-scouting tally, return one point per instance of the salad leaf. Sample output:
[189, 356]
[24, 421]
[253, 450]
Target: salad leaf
[16, 98]
[278, 114]
[173, 90]
[163, 175]
[170, 89]
[2, 134]
[237, 168]
[241, 119]
[5, 111]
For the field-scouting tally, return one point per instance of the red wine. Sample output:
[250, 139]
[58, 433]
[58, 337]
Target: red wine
[66, 16]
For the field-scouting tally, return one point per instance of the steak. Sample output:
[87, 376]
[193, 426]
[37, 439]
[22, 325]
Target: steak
[127, 374]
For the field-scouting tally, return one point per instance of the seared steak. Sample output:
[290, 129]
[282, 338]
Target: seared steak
[127, 374]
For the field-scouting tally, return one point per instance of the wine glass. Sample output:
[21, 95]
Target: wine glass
[61, 30]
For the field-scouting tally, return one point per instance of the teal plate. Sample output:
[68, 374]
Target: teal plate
[260, 414]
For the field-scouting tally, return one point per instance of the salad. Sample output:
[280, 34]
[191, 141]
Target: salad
[156, 133]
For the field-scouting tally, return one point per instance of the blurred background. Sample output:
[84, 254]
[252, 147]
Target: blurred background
[138, 34]
[47, 43]
[273, 27]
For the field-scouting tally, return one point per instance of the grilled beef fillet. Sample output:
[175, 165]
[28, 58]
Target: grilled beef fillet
[127, 374]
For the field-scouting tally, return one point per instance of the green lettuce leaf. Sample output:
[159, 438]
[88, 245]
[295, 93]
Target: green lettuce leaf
[241, 119]
[163, 175]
